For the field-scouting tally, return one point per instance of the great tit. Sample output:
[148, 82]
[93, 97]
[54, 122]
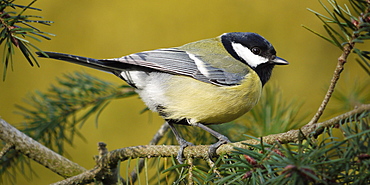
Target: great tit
[210, 81]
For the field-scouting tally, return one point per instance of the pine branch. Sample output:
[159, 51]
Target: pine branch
[15, 28]
[356, 26]
[329, 160]
[53, 118]
[147, 151]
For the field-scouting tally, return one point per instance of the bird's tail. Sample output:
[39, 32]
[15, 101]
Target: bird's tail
[104, 65]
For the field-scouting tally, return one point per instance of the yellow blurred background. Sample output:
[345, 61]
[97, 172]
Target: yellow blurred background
[109, 29]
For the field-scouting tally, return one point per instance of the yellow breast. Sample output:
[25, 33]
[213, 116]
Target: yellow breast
[210, 104]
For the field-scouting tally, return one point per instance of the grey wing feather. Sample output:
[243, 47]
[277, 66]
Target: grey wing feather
[166, 60]
[175, 61]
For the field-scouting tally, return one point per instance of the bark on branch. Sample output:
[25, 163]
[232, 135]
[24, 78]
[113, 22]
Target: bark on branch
[38, 152]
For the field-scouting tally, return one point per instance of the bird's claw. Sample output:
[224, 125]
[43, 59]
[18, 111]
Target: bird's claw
[183, 144]
[213, 148]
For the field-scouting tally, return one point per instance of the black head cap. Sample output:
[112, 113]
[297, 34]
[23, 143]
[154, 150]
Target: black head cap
[253, 50]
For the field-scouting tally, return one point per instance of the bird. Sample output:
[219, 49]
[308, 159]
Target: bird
[210, 81]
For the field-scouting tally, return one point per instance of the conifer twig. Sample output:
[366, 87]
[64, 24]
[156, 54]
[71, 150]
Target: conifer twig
[355, 36]
[338, 70]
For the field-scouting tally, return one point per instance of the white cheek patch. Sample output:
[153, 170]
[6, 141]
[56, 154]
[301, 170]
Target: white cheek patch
[246, 54]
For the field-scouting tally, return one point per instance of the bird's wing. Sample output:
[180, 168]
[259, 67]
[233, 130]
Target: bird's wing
[178, 62]
[171, 60]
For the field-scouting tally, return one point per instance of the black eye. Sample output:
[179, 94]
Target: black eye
[256, 50]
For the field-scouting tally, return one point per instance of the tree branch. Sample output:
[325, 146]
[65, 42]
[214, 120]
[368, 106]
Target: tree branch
[37, 152]
[57, 163]
[200, 151]
[347, 49]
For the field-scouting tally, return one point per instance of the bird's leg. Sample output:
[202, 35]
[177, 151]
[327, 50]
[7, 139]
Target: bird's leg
[221, 139]
[183, 143]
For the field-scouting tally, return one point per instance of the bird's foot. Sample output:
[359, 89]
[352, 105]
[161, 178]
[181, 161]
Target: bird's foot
[183, 144]
[213, 148]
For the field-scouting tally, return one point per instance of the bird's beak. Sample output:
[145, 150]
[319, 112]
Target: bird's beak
[280, 61]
